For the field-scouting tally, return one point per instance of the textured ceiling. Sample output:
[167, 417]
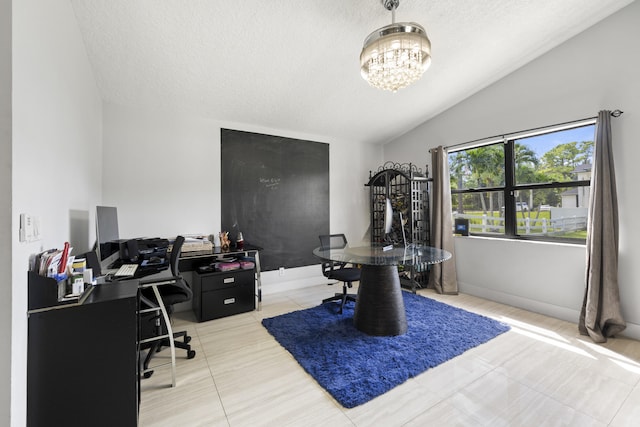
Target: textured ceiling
[294, 65]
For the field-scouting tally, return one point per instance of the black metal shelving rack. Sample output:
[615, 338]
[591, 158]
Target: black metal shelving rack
[408, 189]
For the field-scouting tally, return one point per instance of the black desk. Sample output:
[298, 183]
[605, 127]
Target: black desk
[189, 262]
[82, 360]
[379, 306]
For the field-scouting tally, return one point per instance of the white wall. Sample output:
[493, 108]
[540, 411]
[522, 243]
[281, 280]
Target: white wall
[162, 171]
[596, 70]
[5, 210]
[57, 115]
[56, 171]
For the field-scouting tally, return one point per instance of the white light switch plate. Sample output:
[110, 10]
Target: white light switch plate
[29, 228]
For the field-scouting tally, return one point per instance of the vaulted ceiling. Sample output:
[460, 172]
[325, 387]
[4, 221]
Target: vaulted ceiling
[294, 65]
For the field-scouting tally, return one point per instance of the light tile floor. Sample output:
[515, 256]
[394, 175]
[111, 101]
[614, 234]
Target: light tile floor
[541, 373]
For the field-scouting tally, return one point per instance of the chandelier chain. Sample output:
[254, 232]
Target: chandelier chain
[391, 4]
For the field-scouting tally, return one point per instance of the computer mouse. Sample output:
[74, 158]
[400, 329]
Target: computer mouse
[155, 260]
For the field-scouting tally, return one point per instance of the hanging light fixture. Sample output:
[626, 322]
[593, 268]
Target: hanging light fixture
[395, 55]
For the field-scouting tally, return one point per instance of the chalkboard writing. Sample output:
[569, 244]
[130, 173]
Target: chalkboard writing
[275, 191]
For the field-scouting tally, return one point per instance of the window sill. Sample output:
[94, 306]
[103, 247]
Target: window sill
[524, 241]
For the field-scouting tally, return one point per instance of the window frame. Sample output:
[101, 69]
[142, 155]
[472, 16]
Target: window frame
[510, 186]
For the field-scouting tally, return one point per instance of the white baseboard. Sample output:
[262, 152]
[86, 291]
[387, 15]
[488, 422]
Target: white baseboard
[558, 312]
[562, 313]
[273, 283]
[290, 279]
[632, 331]
[289, 285]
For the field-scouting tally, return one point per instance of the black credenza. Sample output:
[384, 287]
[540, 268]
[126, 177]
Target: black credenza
[82, 362]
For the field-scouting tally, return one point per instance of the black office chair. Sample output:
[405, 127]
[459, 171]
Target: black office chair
[339, 270]
[171, 294]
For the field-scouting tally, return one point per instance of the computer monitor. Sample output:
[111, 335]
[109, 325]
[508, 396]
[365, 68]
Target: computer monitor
[107, 236]
[388, 221]
[388, 216]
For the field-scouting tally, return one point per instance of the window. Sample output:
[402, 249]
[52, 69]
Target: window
[531, 185]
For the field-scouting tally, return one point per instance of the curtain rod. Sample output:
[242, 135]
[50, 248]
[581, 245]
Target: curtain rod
[614, 113]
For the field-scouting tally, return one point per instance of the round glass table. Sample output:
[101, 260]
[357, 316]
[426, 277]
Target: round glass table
[379, 306]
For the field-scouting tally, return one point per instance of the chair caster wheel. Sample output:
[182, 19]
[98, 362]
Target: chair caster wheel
[191, 354]
[187, 339]
[147, 374]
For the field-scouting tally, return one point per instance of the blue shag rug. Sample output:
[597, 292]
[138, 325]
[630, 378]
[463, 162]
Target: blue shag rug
[355, 367]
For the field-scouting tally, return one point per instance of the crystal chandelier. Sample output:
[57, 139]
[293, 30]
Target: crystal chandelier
[395, 55]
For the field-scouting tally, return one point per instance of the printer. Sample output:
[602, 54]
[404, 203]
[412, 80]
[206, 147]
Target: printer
[144, 250]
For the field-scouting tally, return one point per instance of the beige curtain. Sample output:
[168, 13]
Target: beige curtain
[442, 276]
[601, 316]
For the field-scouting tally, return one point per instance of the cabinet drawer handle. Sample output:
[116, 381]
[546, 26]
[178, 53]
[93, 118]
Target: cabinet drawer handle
[229, 279]
[229, 301]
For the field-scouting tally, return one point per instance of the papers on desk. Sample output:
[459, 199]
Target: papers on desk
[48, 263]
[195, 244]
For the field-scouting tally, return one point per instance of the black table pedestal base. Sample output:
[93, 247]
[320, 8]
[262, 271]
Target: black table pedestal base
[380, 308]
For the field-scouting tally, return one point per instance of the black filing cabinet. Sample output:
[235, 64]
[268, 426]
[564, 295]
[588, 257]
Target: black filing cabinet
[220, 294]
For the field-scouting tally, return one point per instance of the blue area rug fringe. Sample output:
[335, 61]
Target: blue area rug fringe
[355, 367]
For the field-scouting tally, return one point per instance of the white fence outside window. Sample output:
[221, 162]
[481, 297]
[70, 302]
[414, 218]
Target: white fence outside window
[527, 225]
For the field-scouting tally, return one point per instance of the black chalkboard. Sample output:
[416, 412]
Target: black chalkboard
[275, 191]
